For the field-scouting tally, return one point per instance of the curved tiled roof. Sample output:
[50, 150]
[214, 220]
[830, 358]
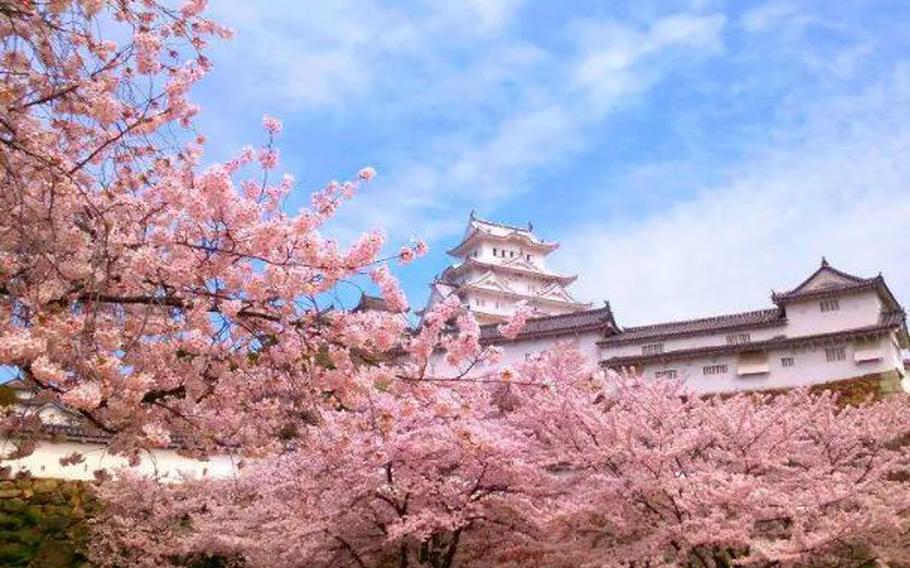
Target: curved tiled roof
[848, 283]
[507, 267]
[370, 303]
[889, 321]
[500, 232]
[563, 324]
[728, 322]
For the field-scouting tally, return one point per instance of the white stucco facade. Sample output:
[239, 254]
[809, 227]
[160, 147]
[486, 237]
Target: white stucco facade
[831, 327]
[64, 435]
[165, 464]
[500, 266]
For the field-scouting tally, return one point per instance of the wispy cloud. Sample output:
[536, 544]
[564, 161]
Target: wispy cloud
[563, 101]
[842, 190]
[691, 153]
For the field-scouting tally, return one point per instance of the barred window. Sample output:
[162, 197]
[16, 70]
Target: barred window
[666, 374]
[787, 362]
[833, 354]
[738, 338]
[829, 305]
[652, 349]
[714, 369]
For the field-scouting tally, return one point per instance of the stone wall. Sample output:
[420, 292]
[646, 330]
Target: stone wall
[43, 523]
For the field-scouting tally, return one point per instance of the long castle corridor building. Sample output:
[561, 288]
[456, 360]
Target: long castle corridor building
[831, 327]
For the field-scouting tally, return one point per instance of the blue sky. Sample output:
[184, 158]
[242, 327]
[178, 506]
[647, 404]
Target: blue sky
[690, 156]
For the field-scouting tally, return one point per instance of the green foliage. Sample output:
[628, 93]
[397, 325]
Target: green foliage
[7, 396]
[42, 523]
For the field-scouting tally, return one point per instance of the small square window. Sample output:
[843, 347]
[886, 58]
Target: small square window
[787, 362]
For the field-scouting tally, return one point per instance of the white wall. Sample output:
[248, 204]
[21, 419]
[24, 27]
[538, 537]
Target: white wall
[166, 464]
[810, 367]
[860, 309]
[689, 342]
[515, 352]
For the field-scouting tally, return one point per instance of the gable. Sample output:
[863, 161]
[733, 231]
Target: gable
[493, 282]
[556, 292]
[520, 262]
[826, 279]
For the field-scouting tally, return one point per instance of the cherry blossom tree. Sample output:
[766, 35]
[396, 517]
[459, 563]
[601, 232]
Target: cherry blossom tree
[171, 303]
[555, 465]
[663, 478]
[160, 299]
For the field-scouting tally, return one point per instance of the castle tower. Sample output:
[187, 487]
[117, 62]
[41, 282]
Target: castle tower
[499, 266]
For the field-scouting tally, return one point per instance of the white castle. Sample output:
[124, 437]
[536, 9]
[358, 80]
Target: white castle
[831, 327]
[501, 266]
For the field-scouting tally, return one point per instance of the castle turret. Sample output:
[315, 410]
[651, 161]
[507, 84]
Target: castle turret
[498, 266]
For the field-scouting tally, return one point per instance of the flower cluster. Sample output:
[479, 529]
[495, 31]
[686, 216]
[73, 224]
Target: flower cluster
[604, 471]
[516, 323]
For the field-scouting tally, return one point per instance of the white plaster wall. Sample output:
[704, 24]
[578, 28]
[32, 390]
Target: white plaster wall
[856, 310]
[515, 352]
[810, 367]
[485, 253]
[803, 318]
[166, 464]
[691, 342]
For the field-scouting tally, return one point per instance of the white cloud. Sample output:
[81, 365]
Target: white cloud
[842, 189]
[771, 15]
[618, 60]
[548, 124]
[318, 54]
[493, 14]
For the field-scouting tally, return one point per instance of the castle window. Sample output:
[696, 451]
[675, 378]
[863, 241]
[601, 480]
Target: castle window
[834, 354]
[829, 305]
[652, 349]
[665, 374]
[714, 369]
[529, 258]
[787, 362]
[737, 338]
[511, 254]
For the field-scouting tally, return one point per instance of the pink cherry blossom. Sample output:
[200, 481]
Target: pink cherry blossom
[366, 174]
[406, 255]
[271, 124]
[516, 323]
[86, 396]
[268, 158]
[166, 299]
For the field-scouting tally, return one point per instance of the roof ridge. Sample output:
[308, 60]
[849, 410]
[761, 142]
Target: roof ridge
[605, 309]
[503, 225]
[472, 260]
[700, 320]
[826, 266]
